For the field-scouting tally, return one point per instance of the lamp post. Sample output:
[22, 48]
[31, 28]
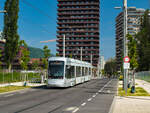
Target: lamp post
[81, 53]
[125, 43]
[64, 45]
[125, 72]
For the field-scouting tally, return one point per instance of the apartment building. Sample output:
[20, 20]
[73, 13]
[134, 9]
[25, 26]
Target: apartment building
[79, 20]
[133, 27]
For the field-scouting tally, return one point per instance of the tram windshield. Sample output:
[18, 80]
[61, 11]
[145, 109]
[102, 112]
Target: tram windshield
[56, 70]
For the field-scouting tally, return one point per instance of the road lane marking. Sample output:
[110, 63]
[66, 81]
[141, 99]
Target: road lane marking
[104, 86]
[108, 91]
[89, 99]
[75, 110]
[96, 93]
[9, 95]
[70, 108]
[83, 104]
[94, 96]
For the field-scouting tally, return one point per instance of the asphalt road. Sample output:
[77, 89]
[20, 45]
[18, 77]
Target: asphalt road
[95, 96]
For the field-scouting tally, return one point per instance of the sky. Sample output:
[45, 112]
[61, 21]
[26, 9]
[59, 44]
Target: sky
[38, 22]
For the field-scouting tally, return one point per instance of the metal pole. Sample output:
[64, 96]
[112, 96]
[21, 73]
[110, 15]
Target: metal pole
[125, 43]
[81, 54]
[91, 59]
[64, 45]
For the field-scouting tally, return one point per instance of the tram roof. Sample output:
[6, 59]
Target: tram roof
[70, 61]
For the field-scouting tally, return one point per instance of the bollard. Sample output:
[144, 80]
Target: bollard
[133, 89]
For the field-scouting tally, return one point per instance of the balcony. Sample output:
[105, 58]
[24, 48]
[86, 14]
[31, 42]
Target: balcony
[80, 4]
[80, 40]
[77, 9]
[79, 31]
[77, 27]
[77, 18]
[78, 13]
[60, 36]
[79, 45]
[89, 22]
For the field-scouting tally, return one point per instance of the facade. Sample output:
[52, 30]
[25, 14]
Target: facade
[78, 20]
[133, 27]
[102, 62]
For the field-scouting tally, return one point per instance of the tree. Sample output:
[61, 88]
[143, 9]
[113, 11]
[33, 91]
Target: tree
[46, 51]
[143, 43]
[132, 53]
[46, 56]
[70, 56]
[10, 31]
[25, 55]
[0, 58]
[110, 67]
[57, 54]
[35, 64]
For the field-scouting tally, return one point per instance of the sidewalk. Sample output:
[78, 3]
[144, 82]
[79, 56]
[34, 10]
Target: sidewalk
[134, 104]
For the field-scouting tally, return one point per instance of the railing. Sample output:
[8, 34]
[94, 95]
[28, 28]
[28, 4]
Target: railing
[144, 75]
[20, 76]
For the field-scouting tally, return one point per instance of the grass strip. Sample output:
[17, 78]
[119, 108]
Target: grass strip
[12, 88]
[138, 92]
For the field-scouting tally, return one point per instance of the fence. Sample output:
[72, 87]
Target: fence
[144, 75]
[18, 76]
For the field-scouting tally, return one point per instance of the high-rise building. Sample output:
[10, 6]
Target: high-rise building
[78, 20]
[133, 27]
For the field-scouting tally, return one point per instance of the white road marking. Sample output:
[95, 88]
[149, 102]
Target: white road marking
[75, 110]
[89, 99]
[108, 91]
[8, 95]
[104, 86]
[94, 96]
[83, 104]
[70, 108]
[96, 93]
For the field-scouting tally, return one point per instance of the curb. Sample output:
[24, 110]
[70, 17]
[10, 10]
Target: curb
[14, 91]
[113, 102]
[18, 90]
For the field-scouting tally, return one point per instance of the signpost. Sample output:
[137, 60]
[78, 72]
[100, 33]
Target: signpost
[126, 66]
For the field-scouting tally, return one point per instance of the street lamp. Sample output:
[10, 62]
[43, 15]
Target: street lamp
[64, 45]
[125, 41]
[4, 11]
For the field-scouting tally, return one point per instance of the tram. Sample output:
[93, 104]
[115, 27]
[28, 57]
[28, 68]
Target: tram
[66, 72]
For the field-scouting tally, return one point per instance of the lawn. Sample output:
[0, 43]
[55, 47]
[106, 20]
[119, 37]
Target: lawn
[138, 92]
[11, 88]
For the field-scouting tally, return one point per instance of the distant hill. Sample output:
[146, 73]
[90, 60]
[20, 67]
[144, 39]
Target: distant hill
[36, 52]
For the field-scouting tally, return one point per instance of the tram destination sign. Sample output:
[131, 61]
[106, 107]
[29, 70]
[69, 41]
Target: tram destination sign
[56, 63]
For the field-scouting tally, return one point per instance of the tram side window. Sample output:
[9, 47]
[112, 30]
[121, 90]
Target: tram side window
[83, 71]
[70, 71]
[78, 71]
[89, 71]
[86, 71]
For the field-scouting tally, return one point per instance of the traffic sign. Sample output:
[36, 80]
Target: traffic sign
[126, 65]
[126, 59]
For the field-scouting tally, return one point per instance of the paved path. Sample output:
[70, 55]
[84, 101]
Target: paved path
[134, 104]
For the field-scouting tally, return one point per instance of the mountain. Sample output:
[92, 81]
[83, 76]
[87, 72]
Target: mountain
[36, 52]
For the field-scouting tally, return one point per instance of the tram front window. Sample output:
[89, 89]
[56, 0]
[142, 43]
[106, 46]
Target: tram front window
[56, 70]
